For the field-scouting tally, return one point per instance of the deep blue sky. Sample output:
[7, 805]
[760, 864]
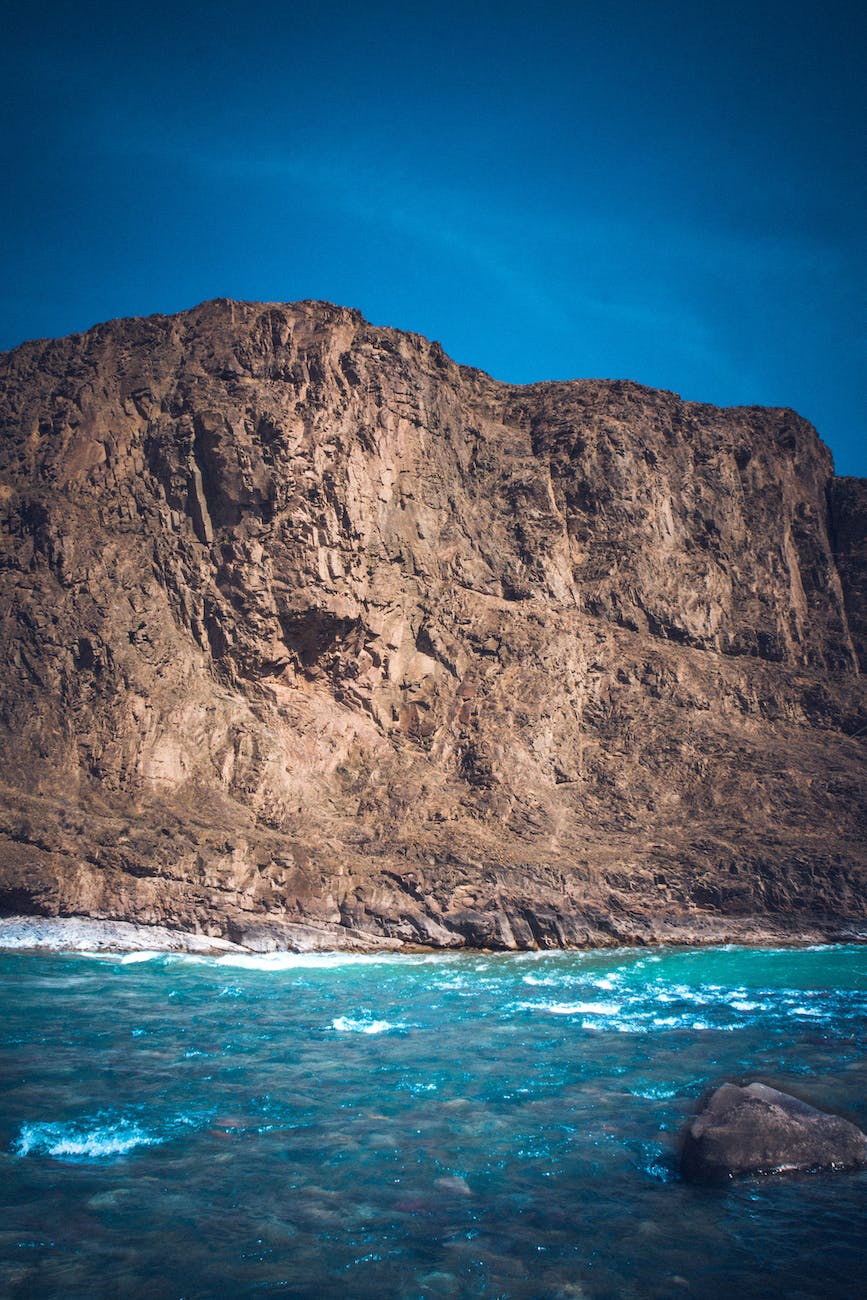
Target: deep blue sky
[673, 192]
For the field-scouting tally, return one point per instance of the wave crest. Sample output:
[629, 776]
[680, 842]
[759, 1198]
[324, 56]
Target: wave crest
[82, 1140]
[363, 1025]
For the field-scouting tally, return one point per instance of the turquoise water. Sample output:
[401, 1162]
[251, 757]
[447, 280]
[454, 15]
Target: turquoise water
[459, 1125]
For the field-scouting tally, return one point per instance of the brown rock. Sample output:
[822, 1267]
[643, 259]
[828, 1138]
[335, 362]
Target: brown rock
[758, 1130]
[848, 518]
[306, 626]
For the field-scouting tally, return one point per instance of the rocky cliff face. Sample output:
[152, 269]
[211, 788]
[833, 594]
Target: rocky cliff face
[310, 635]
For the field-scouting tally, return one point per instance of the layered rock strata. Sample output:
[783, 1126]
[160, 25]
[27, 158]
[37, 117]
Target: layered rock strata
[304, 625]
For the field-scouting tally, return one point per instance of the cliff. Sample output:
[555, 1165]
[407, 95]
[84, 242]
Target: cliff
[312, 636]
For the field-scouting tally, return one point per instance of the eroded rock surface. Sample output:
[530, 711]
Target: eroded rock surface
[758, 1130]
[304, 624]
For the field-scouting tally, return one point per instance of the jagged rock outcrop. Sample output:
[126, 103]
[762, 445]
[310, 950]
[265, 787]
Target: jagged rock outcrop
[303, 623]
[758, 1130]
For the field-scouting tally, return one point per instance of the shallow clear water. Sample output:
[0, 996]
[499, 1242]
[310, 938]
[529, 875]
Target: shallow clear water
[458, 1125]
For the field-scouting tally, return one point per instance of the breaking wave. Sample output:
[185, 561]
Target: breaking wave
[276, 961]
[572, 1008]
[363, 1025]
[83, 1140]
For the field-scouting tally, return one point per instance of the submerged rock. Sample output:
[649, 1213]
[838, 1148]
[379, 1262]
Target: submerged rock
[758, 1130]
[454, 1183]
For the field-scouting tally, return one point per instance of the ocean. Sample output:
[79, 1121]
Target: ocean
[417, 1126]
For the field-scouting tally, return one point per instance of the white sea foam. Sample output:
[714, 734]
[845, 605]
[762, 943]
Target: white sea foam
[573, 1008]
[684, 993]
[82, 1140]
[277, 961]
[619, 1025]
[709, 996]
[363, 1025]
[654, 1092]
[598, 1008]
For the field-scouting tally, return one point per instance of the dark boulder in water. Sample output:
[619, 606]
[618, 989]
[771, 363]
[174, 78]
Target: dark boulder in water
[758, 1130]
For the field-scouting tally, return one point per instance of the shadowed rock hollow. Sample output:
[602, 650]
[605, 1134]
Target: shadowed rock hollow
[312, 636]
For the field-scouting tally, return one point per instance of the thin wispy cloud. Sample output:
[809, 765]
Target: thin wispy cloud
[657, 198]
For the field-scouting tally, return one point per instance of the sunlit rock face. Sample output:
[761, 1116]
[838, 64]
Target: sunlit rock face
[304, 625]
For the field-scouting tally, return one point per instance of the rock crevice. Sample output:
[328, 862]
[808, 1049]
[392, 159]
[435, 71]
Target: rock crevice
[305, 625]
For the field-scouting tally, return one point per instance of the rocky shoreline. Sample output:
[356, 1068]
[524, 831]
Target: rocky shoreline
[85, 934]
[89, 934]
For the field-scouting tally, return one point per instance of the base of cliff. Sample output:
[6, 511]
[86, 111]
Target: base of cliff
[88, 934]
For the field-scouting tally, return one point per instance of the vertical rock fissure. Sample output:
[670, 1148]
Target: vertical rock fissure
[198, 505]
